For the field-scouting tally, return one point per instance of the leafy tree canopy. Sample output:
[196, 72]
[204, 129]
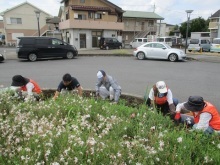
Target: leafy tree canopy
[195, 25]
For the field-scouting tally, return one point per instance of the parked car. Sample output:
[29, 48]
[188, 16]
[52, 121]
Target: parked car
[199, 44]
[138, 42]
[32, 48]
[2, 58]
[107, 43]
[215, 46]
[158, 50]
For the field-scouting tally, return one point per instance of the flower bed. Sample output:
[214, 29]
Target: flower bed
[83, 130]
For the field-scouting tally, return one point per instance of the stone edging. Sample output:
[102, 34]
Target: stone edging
[131, 100]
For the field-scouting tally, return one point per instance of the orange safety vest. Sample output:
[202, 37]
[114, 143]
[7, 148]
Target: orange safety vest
[36, 87]
[161, 100]
[215, 120]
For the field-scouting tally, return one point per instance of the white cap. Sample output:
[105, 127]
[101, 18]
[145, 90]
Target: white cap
[161, 86]
[99, 75]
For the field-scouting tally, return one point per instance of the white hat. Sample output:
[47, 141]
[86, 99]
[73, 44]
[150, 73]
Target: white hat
[99, 75]
[161, 86]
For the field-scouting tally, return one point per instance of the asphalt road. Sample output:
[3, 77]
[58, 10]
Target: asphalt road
[134, 76]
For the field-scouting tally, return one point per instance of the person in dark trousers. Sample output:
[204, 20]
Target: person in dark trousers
[204, 116]
[68, 84]
[25, 87]
[161, 97]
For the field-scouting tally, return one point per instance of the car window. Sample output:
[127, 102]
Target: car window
[168, 39]
[56, 42]
[203, 41]
[139, 40]
[194, 41]
[157, 45]
[27, 41]
[145, 40]
[115, 40]
[42, 42]
[149, 45]
[160, 40]
[216, 41]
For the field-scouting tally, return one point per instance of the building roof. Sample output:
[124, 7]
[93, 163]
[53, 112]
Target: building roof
[53, 20]
[90, 8]
[141, 14]
[216, 14]
[2, 13]
[117, 8]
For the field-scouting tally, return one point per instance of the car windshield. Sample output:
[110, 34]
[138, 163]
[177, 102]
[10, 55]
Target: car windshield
[194, 41]
[216, 41]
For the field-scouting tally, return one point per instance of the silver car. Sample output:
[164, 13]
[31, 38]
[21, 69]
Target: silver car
[158, 50]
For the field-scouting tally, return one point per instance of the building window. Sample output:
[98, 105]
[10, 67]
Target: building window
[16, 21]
[150, 23]
[82, 1]
[98, 16]
[90, 14]
[82, 16]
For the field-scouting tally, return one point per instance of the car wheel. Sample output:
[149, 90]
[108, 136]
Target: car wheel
[32, 57]
[189, 50]
[131, 46]
[69, 55]
[120, 47]
[173, 57]
[107, 48]
[140, 55]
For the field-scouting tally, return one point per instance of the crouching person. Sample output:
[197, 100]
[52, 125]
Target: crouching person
[107, 86]
[161, 97]
[204, 116]
[67, 85]
[25, 87]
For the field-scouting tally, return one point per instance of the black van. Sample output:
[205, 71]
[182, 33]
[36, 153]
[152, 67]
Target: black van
[107, 43]
[32, 48]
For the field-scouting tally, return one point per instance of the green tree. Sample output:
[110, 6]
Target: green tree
[195, 25]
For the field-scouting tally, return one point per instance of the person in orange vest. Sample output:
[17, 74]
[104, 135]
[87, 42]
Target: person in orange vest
[161, 97]
[25, 87]
[204, 116]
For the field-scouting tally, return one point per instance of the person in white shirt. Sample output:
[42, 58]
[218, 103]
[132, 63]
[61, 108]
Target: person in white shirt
[203, 115]
[161, 97]
[25, 87]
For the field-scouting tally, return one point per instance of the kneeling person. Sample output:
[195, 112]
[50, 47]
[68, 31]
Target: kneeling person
[107, 86]
[25, 87]
[161, 97]
[68, 84]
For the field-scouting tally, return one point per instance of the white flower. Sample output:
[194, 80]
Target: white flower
[161, 143]
[153, 128]
[180, 139]
[218, 145]
[158, 159]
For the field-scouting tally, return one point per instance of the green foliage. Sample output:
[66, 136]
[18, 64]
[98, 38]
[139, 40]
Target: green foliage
[195, 25]
[76, 130]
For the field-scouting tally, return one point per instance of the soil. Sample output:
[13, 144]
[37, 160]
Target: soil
[132, 101]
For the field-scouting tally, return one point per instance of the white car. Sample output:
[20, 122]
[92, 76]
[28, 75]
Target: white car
[158, 50]
[138, 42]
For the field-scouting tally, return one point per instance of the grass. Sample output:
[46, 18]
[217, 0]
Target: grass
[75, 130]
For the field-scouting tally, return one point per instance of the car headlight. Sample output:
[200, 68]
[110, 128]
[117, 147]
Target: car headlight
[1, 55]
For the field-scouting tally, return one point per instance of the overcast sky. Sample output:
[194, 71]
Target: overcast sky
[173, 11]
